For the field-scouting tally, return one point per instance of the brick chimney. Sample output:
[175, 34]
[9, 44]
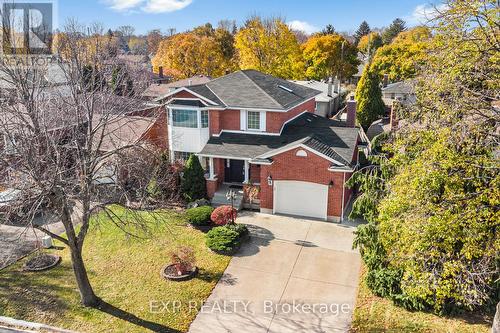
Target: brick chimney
[160, 72]
[351, 109]
[330, 87]
[394, 116]
[385, 80]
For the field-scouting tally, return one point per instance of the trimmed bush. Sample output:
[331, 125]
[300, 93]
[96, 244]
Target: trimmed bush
[224, 215]
[223, 240]
[199, 215]
[241, 229]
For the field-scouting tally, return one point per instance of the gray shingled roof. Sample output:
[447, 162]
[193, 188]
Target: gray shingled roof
[253, 89]
[326, 136]
[401, 87]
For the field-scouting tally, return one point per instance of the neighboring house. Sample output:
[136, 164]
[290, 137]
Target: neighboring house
[156, 91]
[257, 132]
[400, 91]
[363, 62]
[328, 102]
[386, 124]
[128, 131]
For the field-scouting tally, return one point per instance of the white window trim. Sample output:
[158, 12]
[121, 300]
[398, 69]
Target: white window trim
[262, 121]
[198, 117]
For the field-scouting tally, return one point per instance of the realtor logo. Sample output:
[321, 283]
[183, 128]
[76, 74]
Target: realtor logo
[27, 26]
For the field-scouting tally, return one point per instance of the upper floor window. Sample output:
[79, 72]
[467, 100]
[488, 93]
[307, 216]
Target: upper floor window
[253, 120]
[182, 156]
[185, 118]
[204, 119]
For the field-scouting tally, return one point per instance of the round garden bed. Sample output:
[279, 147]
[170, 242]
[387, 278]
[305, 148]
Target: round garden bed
[171, 273]
[41, 262]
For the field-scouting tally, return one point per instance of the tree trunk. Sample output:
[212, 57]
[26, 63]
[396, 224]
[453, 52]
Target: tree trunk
[87, 295]
[496, 321]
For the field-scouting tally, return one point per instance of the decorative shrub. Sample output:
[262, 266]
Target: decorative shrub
[193, 180]
[224, 215]
[241, 229]
[199, 215]
[183, 258]
[223, 240]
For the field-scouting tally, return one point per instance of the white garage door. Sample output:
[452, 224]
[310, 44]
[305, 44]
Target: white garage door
[301, 199]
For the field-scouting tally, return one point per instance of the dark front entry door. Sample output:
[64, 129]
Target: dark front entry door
[235, 172]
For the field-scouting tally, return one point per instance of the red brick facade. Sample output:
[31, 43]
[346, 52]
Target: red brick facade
[313, 168]
[229, 119]
[157, 134]
[285, 166]
[275, 120]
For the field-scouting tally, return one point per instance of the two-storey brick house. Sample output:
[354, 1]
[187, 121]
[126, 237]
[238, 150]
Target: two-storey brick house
[254, 130]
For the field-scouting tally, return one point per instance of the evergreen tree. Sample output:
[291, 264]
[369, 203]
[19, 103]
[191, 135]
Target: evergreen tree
[193, 180]
[121, 82]
[328, 30]
[92, 79]
[397, 26]
[369, 98]
[363, 30]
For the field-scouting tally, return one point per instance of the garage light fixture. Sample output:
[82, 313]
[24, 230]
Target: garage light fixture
[269, 180]
[331, 184]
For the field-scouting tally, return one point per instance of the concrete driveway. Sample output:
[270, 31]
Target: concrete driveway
[294, 275]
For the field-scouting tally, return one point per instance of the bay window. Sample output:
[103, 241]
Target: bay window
[185, 118]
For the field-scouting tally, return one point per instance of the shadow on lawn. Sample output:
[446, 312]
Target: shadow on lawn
[23, 293]
[124, 315]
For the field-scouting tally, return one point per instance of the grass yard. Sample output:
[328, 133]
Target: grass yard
[125, 273]
[375, 314]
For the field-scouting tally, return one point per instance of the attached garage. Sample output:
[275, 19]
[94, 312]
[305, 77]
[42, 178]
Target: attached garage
[301, 199]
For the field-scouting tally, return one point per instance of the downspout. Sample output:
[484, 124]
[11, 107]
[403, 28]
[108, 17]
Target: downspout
[343, 200]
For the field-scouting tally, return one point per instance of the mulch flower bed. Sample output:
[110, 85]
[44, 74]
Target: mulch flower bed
[41, 262]
[171, 273]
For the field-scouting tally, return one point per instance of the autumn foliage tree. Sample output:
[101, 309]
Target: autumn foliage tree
[401, 59]
[368, 44]
[432, 198]
[268, 45]
[329, 55]
[191, 54]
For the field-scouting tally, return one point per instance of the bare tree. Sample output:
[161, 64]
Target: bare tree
[61, 140]
[126, 31]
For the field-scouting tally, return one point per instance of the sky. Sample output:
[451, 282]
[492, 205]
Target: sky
[307, 15]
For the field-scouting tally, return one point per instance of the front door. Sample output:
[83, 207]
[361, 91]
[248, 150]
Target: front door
[235, 171]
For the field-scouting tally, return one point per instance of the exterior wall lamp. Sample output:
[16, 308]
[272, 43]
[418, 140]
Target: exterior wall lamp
[269, 180]
[330, 185]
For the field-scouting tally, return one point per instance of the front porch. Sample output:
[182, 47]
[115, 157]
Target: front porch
[226, 174]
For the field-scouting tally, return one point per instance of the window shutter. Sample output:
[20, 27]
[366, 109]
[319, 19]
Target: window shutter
[243, 120]
[263, 121]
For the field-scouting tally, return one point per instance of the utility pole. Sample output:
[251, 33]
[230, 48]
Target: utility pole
[341, 65]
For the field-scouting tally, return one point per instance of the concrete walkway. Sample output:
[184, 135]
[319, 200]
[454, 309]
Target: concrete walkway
[294, 275]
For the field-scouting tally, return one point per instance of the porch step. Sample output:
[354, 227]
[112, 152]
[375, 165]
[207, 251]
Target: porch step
[220, 198]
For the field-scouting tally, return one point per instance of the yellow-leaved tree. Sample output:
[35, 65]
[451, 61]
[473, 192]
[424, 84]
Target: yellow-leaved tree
[325, 57]
[268, 45]
[190, 54]
[401, 58]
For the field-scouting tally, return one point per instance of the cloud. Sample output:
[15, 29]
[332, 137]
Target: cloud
[148, 6]
[303, 26]
[123, 5]
[165, 6]
[424, 13]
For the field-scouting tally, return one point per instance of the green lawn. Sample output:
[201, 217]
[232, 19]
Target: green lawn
[125, 273]
[374, 314]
